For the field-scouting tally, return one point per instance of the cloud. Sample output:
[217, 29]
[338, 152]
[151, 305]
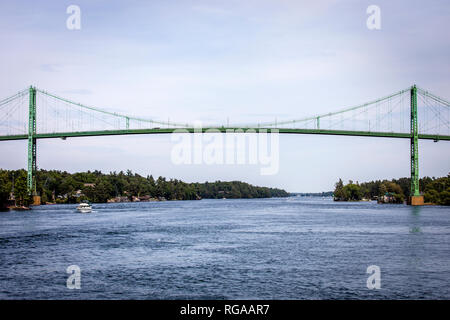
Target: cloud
[49, 67]
[211, 10]
[78, 91]
[248, 61]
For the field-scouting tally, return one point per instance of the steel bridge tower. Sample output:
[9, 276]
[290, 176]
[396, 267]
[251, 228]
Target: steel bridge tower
[31, 174]
[415, 197]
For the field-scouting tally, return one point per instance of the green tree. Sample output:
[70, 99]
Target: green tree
[339, 190]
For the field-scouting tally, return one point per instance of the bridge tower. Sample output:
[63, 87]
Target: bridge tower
[31, 176]
[415, 198]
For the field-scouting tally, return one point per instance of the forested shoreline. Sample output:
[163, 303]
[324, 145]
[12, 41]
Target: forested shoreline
[63, 187]
[434, 190]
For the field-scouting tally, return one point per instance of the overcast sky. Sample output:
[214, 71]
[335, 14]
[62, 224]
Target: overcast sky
[242, 60]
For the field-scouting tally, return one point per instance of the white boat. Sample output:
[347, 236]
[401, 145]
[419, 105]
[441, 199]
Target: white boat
[84, 207]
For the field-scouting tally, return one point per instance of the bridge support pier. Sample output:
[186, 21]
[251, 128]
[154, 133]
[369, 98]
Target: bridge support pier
[415, 198]
[31, 174]
[416, 201]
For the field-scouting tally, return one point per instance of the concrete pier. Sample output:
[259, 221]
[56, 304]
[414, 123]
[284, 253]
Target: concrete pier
[416, 201]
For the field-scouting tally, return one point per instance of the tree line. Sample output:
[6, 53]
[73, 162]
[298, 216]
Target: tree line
[62, 187]
[434, 190]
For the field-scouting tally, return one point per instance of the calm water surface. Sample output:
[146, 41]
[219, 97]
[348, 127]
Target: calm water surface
[290, 248]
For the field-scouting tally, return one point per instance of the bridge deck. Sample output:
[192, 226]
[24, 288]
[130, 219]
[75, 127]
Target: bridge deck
[223, 130]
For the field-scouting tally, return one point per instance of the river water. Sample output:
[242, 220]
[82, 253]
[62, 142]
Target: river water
[290, 248]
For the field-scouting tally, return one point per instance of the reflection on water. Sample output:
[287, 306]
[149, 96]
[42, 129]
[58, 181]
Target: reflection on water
[295, 248]
[415, 210]
[415, 230]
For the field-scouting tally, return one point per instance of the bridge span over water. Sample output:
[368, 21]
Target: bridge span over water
[412, 113]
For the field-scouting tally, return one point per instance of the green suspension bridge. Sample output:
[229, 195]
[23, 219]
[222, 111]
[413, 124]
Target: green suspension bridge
[412, 113]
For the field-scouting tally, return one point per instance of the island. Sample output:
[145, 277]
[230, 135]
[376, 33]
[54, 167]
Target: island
[63, 187]
[435, 190]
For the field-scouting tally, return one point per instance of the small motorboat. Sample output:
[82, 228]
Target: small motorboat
[84, 207]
